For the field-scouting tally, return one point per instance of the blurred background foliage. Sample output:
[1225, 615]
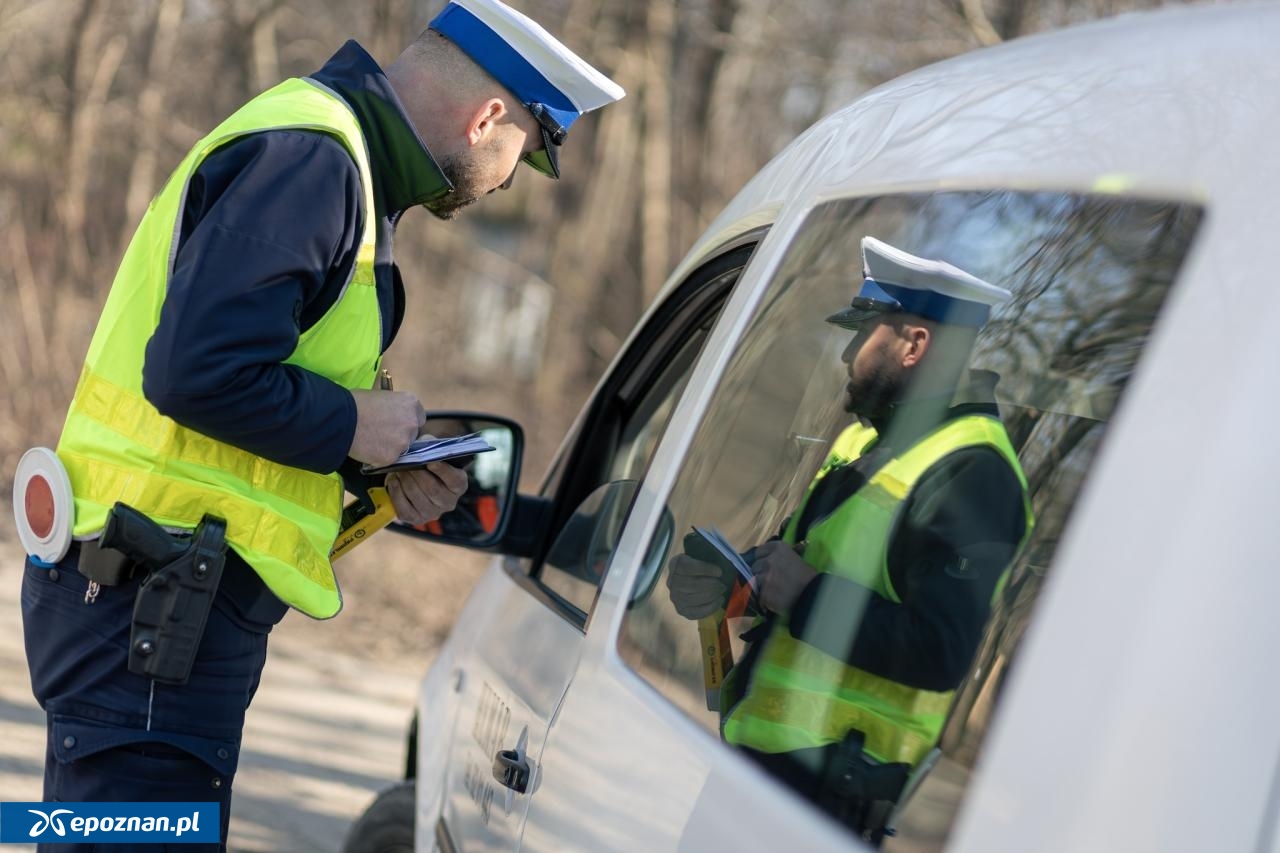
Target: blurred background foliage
[517, 306]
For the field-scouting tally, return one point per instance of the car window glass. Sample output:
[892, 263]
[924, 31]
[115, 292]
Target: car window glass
[899, 516]
[576, 563]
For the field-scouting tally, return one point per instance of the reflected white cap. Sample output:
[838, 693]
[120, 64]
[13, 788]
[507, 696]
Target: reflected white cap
[895, 280]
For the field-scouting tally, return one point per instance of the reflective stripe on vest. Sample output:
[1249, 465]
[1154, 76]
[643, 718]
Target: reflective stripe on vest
[117, 447]
[801, 697]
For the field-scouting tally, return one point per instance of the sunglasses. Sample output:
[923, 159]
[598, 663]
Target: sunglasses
[545, 159]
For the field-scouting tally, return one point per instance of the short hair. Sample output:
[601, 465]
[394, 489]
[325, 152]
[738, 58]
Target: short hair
[445, 59]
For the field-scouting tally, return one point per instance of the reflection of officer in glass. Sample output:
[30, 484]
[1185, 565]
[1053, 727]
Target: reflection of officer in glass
[876, 592]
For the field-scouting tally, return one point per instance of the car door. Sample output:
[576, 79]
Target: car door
[513, 674]
[635, 759]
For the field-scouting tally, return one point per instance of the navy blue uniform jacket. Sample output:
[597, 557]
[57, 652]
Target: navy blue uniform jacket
[268, 238]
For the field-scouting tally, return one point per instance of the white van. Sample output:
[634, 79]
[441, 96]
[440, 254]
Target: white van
[1122, 180]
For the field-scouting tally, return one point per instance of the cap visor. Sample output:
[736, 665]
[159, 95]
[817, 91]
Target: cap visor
[860, 312]
[546, 159]
[853, 318]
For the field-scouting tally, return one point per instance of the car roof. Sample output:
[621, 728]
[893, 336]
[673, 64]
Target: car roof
[1174, 103]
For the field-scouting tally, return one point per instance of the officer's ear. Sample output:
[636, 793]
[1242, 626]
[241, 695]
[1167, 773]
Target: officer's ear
[916, 339]
[484, 121]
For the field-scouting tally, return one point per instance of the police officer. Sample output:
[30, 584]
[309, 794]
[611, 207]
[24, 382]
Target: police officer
[230, 375]
[873, 597]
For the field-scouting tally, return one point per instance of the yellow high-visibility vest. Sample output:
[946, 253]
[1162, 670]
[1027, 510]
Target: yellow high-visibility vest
[117, 447]
[800, 697]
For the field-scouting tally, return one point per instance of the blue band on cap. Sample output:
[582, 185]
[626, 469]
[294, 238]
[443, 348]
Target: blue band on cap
[492, 53]
[871, 289]
[928, 303]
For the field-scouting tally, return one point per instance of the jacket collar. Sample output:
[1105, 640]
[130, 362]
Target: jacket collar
[404, 172]
[910, 421]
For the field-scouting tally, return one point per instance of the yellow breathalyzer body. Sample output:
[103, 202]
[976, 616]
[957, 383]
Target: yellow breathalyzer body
[359, 522]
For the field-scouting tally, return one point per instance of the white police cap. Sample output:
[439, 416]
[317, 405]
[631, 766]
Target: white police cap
[896, 281]
[553, 82]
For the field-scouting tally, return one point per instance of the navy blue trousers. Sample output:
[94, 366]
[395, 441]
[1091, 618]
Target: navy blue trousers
[115, 736]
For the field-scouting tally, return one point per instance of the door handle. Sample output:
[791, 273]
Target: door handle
[511, 770]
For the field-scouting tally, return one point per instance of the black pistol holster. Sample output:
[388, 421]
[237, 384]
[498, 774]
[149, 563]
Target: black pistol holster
[173, 602]
[859, 791]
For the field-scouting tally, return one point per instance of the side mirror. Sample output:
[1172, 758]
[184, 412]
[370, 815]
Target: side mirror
[655, 558]
[483, 512]
[586, 544]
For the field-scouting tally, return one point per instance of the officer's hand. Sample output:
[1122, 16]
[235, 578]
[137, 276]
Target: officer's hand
[424, 494]
[386, 421]
[697, 588]
[781, 575]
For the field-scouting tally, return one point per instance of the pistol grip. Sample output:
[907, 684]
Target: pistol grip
[139, 538]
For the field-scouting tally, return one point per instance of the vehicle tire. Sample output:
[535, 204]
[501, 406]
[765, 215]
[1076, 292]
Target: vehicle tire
[387, 825]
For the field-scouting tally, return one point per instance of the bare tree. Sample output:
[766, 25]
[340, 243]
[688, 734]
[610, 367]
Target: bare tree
[151, 101]
[93, 58]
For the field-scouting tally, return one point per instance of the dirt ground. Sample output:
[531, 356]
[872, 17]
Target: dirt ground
[326, 729]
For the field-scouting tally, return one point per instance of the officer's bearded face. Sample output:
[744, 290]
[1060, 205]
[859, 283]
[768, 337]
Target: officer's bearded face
[876, 376]
[476, 172]
[467, 174]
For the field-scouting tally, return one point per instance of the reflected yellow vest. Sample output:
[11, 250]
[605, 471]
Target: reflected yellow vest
[117, 447]
[799, 697]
